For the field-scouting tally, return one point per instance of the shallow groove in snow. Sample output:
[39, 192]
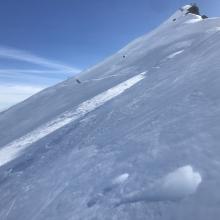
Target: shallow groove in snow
[171, 56]
[15, 148]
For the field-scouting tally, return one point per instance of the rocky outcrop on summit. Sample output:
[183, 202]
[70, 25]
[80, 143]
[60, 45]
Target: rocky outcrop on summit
[194, 9]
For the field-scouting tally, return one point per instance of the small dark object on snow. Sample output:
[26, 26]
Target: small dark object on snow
[124, 56]
[204, 17]
[78, 81]
[194, 9]
[174, 19]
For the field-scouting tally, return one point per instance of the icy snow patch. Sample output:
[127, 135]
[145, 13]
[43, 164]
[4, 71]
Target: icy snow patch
[15, 148]
[171, 56]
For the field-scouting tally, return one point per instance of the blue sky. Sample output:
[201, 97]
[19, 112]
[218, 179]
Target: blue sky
[43, 42]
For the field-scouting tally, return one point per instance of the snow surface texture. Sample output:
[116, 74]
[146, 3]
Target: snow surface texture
[150, 151]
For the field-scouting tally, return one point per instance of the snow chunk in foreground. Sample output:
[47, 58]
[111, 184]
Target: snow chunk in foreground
[181, 183]
[175, 186]
[120, 179]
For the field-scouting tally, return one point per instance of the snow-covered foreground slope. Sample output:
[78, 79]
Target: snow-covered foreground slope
[137, 139]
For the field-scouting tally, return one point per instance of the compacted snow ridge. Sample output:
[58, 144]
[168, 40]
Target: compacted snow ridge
[12, 150]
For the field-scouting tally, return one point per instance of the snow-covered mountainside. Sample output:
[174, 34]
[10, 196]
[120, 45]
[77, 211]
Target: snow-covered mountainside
[137, 139]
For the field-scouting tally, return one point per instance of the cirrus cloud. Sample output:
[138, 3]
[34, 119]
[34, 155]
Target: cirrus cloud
[11, 53]
[17, 84]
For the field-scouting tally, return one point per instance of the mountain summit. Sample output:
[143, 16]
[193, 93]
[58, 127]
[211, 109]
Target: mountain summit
[134, 137]
[192, 10]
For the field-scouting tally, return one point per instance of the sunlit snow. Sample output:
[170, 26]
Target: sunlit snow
[120, 144]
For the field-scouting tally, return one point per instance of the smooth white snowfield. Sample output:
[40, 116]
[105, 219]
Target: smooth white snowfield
[147, 151]
[14, 149]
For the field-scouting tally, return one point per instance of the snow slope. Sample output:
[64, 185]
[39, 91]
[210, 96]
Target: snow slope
[137, 139]
[12, 150]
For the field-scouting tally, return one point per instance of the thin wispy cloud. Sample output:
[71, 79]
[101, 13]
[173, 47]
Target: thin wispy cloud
[11, 53]
[27, 72]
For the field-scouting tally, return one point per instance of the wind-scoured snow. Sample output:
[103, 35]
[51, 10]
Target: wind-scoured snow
[12, 150]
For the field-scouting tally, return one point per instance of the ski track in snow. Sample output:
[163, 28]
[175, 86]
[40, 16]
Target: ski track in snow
[192, 21]
[171, 56]
[116, 182]
[15, 148]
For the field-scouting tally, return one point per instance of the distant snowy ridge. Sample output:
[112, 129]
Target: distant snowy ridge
[14, 149]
